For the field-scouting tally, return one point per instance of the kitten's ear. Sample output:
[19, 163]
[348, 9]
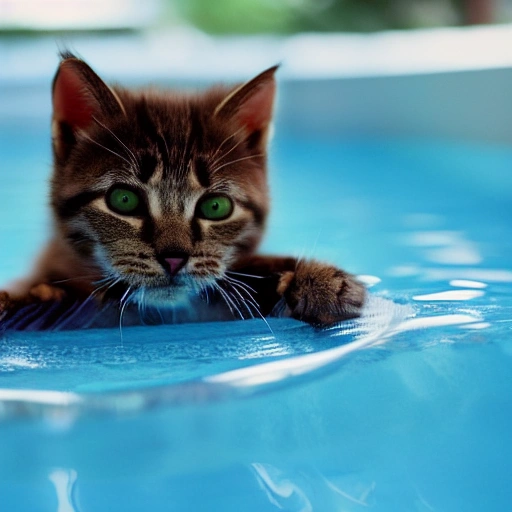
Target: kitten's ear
[79, 96]
[251, 105]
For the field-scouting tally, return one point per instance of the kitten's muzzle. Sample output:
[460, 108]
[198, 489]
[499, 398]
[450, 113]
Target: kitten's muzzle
[173, 262]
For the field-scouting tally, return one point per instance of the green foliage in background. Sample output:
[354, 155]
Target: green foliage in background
[289, 16]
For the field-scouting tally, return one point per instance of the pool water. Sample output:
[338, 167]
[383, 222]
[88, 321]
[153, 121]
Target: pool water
[408, 408]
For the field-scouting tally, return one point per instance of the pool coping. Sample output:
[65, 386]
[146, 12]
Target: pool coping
[445, 83]
[303, 56]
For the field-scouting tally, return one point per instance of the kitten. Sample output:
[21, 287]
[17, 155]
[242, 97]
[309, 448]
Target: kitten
[158, 197]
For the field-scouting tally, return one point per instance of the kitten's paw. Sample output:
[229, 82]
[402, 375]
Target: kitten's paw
[5, 304]
[37, 294]
[321, 294]
[44, 293]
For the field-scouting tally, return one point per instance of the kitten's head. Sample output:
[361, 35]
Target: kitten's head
[159, 191]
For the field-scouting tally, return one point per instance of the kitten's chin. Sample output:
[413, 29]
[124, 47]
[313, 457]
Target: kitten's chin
[159, 296]
[166, 292]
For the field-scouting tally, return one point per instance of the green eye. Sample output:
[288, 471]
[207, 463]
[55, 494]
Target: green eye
[215, 207]
[123, 200]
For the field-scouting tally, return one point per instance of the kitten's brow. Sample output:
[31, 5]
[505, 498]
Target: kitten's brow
[225, 140]
[224, 155]
[195, 133]
[259, 155]
[167, 153]
[105, 148]
[201, 172]
[130, 152]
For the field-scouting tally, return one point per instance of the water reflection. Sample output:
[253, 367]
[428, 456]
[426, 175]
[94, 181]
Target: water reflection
[446, 247]
[64, 481]
[495, 275]
[450, 295]
[380, 318]
[281, 491]
[466, 283]
[308, 489]
[478, 325]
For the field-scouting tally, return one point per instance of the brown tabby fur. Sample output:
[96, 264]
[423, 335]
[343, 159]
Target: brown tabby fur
[172, 149]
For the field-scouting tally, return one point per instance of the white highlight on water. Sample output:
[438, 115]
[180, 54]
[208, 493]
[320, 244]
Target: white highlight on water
[450, 295]
[477, 326]
[380, 320]
[435, 321]
[446, 247]
[279, 488]
[63, 480]
[368, 280]
[40, 396]
[18, 362]
[477, 274]
[466, 283]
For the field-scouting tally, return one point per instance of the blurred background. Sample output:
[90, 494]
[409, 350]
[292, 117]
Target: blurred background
[350, 70]
[248, 16]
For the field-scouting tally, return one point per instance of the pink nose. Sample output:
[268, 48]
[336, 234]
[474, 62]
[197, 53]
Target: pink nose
[174, 265]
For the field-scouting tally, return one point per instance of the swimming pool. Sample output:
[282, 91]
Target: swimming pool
[407, 408]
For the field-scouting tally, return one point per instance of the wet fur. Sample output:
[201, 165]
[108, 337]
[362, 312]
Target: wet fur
[173, 149]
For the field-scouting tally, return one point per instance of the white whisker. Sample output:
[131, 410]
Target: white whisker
[229, 301]
[203, 290]
[225, 140]
[217, 169]
[129, 151]
[88, 299]
[224, 155]
[124, 302]
[240, 283]
[243, 299]
[141, 306]
[166, 149]
[105, 148]
[60, 281]
[125, 294]
[244, 275]
[250, 299]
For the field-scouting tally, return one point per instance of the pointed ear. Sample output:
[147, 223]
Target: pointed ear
[79, 96]
[251, 105]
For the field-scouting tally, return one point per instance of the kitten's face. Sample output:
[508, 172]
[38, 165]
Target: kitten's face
[159, 192]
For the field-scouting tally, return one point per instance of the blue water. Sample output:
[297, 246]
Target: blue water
[407, 409]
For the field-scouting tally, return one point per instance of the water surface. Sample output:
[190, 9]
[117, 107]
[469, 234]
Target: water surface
[407, 408]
